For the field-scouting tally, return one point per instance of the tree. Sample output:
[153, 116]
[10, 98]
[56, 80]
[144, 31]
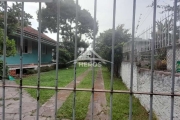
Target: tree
[64, 57]
[10, 45]
[104, 46]
[14, 17]
[67, 19]
[67, 24]
[10, 50]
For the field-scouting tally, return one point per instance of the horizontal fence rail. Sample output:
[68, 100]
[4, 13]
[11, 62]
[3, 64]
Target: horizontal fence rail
[96, 90]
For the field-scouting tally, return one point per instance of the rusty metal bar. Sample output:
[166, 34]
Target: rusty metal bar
[174, 58]
[93, 69]
[152, 60]
[112, 58]
[75, 63]
[39, 62]
[21, 60]
[4, 61]
[95, 90]
[132, 60]
[57, 57]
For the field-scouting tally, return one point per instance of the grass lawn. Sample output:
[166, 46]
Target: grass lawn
[82, 100]
[121, 101]
[48, 79]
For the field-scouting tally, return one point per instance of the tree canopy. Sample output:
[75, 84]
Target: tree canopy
[10, 45]
[67, 20]
[104, 46]
[68, 24]
[14, 17]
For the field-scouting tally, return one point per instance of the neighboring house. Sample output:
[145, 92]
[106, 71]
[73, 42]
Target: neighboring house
[140, 46]
[30, 49]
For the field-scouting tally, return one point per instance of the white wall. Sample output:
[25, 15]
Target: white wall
[169, 56]
[162, 83]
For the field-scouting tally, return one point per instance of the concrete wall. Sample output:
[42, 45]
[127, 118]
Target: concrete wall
[169, 56]
[162, 83]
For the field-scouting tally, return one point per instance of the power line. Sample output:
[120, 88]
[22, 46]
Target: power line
[149, 12]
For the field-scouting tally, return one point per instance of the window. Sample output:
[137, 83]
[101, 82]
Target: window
[44, 49]
[25, 47]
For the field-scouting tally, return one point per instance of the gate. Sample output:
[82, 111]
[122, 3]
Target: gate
[149, 46]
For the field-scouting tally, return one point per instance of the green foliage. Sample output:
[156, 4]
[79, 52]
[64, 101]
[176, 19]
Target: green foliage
[31, 71]
[68, 15]
[46, 68]
[67, 26]
[14, 17]
[70, 46]
[161, 65]
[1, 70]
[64, 57]
[10, 45]
[104, 46]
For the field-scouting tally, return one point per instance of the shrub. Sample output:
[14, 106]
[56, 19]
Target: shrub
[1, 70]
[31, 71]
[45, 69]
[53, 67]
[64, 57]
[138, 64]
[161, 65]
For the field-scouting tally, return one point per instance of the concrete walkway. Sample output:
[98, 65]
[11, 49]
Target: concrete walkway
[12, 104]
[48, 109]
[100, 106]
[29, 104]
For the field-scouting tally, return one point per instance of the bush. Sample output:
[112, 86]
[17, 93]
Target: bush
[53, 67]
[64, 57]
[46, 69]
[161, 65]
[31, 71]
[138, 64]
[1, 70]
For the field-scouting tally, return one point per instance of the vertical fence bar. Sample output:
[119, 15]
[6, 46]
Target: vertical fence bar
[57, 57]
[112, 58]
[39, 61]
[21, 61]
[179, 23]
[161, 31]
[150, 38]
[174, 58]
[132, 60]
[168, 28]
[152, 60]
[75, 57]
[165, 30]
[4, 61]
[94, 39]
[153, 38]
[172, 31]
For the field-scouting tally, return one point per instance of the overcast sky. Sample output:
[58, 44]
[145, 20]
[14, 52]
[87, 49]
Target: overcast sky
[105, 10]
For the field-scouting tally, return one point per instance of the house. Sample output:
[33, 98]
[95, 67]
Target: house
[140, 46]
[30, 50]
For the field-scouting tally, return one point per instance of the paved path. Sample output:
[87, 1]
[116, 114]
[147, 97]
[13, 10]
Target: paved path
[29, 104]
[12, 104]
[100, 106]
[48, 109]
